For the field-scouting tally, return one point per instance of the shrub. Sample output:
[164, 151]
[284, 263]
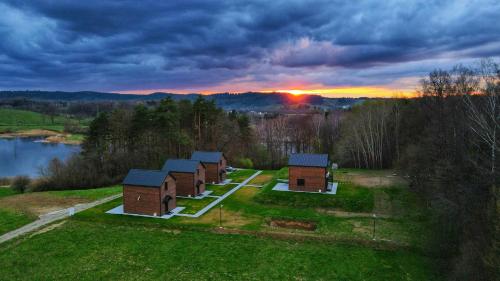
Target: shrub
[20, 184]
[245, 163]
[5, 181]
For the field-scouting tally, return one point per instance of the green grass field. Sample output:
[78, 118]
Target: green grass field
[90, 194]
[6, 191]
[183, 248]
[12, 120]
[13, 214]
[95, 251]
[219, 190]
[193, 205]
[348, 198]
[240, 175]
[10, 220]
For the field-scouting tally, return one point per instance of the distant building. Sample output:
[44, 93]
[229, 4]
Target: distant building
[308, 172]
[148, 192]
[189, 176]
[215, 163]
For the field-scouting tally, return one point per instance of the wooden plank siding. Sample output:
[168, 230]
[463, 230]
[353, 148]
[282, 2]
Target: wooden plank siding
[314, 178]
[145, 200]
[186, 182]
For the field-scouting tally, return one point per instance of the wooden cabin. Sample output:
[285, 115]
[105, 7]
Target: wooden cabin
[189, 176]
[148, 192]
[215, 163]
[308, 172]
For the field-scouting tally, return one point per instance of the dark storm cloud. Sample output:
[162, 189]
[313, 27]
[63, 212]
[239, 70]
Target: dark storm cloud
[127, 45]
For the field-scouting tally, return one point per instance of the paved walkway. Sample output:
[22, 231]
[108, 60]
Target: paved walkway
[54, 216]
[214, 203]
[332, 188]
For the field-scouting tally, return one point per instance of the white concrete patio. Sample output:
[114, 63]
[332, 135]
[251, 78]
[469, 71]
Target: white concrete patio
[331, 189]
[119, 211]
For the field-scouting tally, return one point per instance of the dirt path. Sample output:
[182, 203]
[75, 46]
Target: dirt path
[54, 216]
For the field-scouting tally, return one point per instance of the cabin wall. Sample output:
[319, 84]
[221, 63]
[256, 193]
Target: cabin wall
[200, 176]
[212, 172]
[314, 177]
[184, 184]
[168, 189]
[141, 200]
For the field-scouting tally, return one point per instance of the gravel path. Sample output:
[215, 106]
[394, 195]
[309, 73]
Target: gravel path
[54, 216]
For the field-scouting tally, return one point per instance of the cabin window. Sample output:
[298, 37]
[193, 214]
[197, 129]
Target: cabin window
[198, 172]
[220, 162]
[166, 185]
[301, 182]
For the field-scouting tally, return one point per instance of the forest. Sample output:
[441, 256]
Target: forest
[445, 141]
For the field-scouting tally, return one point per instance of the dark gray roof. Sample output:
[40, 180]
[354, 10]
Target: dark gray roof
[151, 178]
[207, 156]
[308, 160]
[181, 165]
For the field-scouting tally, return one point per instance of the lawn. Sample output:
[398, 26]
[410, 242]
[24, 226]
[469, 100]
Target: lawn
[10, 220]
[282, 173]
[18, 209]
[12, 120]
[90, 194]
[263, 178]
[219, 190]
[399, 220]
[340, 248]
[240, 175]
[122, 252]
[349, 198]
[6, 191]
[194, 205]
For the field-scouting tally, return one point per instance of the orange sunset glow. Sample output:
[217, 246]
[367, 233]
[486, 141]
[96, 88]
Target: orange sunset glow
[339, 92]
[350, 92]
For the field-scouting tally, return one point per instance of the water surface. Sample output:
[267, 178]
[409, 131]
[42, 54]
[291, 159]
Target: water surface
[25, 156]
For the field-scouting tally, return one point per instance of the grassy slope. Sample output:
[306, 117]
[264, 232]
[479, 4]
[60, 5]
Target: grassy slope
[193, 205]
[16, 120]
[240, 175]
[90, 194]
[143, 248]
[11, 219]
[219, 190]
[135, 253]
[349, 197]
[6, 191]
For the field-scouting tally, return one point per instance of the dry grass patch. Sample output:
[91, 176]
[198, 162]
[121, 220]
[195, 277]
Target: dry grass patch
[48, 228]
[261, 179]
[229, 218]
[375, 179]
[38, 203]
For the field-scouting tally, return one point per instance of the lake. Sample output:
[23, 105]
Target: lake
[25, 156]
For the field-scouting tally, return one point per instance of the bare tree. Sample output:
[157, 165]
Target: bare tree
[484, 110]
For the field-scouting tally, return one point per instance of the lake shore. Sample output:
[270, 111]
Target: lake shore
[49, 136]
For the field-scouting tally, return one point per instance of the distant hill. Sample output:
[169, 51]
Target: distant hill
[244, 101]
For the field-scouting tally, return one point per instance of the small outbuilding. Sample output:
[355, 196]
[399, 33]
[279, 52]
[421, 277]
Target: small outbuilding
[308, 172]
[149, 192]
[189, 176]
[215, 163]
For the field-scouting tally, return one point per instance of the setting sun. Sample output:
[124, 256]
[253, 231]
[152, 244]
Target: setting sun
[350, 92]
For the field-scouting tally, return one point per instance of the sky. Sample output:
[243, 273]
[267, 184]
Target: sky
[332, 48]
